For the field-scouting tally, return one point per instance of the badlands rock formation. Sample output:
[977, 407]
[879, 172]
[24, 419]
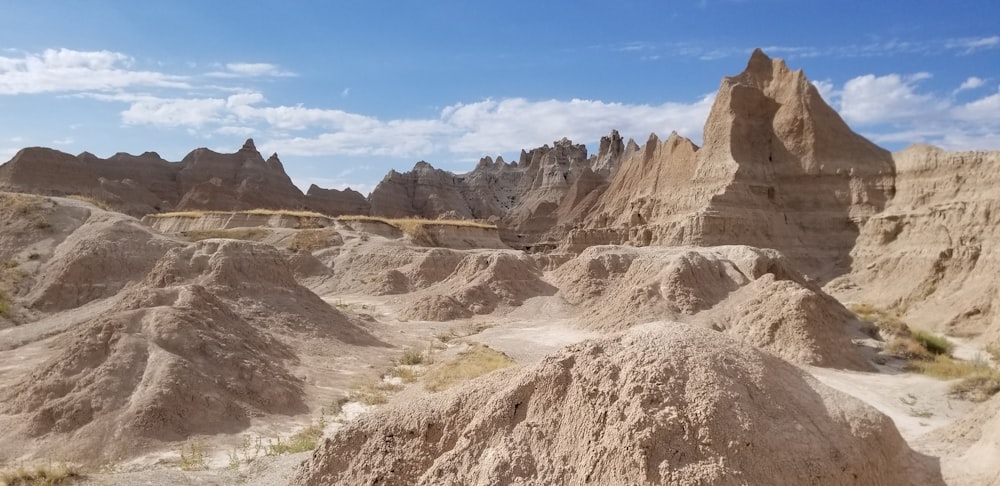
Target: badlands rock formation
[747, 292]
[160, 339]
[145, 184]
[661, 404]
[932, 252]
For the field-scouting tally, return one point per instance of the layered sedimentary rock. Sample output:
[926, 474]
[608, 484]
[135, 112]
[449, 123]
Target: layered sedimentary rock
[932, 253]
[779, 169]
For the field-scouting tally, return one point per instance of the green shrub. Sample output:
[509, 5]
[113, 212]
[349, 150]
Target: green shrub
[936, 345]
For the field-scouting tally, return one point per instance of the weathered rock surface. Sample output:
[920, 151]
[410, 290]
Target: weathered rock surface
[751, 293]
[779, 169]
[933, 252]
[660, 404]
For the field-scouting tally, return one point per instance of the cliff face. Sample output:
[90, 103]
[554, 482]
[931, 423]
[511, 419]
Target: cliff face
[932, 254]
[779, 169]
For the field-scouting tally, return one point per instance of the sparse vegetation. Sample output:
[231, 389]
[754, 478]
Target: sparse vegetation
[404, 373]
[310, 240]
[250, 234]
[373, 392]
[416, 228]
[474, 362]
[96, 202]
[936, 345]
[411, 357]
[255, 212]
[40, 475]
[6, 306]
[302, 441]
[194, 457]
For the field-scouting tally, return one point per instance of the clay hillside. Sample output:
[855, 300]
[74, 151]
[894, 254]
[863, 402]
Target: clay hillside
[787, 303]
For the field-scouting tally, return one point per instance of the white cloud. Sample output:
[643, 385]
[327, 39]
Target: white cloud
[826, 90]
[871, 99]
[497, 126]
[972, 82]
[345, 93]
[985, 110]
[891, 109]
[66, 70]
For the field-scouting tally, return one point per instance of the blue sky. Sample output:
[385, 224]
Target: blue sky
[344, 91]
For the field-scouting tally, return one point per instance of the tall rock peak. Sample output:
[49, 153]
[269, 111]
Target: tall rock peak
[248, 145]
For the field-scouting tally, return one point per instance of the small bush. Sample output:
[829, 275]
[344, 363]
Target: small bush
[194, 457]
[302, 441]
[936, 345]
[469, 364]
[908, 348]
[411, 357]
[39, 475]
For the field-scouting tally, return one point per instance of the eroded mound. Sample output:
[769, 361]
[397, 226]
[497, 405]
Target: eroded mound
[659, 404]
[748, 292]
[481, 283]
[203, 344]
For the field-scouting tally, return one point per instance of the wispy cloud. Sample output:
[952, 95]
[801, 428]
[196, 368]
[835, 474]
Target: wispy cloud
[250, 70]
[969, 45]
[67, 70]
[877, 48]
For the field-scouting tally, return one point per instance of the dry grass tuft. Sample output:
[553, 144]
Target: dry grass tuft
[415, 227]
[249, 234]
[255, 212]
[372, 392]
[475, 362]
[194, 456]
[40, 475]
[310, 240]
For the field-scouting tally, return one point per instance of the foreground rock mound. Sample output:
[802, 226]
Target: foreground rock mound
[748, 292]
[199, 347]
[660, 404]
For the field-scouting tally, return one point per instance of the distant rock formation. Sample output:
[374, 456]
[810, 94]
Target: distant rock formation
[146, 183]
